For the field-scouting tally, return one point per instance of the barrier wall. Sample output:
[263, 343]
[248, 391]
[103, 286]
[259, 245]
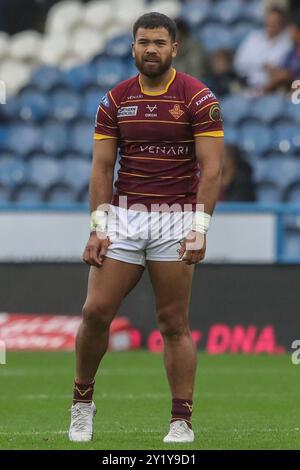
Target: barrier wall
[234, 308]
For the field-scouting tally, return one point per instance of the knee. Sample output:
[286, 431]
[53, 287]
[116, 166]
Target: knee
[172, 322]
[97, 315]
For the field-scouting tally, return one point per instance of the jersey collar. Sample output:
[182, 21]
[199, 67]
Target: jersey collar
[161, 92]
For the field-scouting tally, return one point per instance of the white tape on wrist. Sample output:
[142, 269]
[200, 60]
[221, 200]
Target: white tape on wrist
[98, 221]
[201, 222]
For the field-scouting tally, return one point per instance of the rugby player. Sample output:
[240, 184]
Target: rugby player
[167, 126]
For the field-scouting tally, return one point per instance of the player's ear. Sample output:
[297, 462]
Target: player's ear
[174, 49]
[132, 50]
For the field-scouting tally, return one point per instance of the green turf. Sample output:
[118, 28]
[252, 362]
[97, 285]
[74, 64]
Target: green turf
[241, 402]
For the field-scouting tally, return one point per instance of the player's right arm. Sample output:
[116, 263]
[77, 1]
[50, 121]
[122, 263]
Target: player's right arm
[101, 179]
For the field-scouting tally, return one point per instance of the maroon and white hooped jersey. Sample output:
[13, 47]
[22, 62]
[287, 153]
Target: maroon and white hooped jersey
[156, 137]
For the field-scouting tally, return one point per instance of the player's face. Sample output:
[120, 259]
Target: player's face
[153, 51]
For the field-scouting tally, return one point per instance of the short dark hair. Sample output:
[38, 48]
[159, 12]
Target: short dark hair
[155, 20]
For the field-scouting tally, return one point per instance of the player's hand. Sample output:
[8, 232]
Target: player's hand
[95, 250]
[192, 249]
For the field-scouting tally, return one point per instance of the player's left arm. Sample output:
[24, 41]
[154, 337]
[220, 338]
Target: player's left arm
[209, 153]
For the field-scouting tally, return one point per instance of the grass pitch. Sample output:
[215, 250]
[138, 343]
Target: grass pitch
[241, 402]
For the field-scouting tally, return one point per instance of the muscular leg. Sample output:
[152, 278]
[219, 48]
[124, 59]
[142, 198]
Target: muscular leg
[172, 282]
[107, 286]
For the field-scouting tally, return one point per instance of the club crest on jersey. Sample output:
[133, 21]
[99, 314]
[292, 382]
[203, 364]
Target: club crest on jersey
[127, 111]
[215, 113]
[105, 100]
[176, 111]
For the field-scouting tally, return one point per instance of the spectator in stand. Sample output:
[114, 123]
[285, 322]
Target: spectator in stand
[191, 56]
[223, 79]
[283, 76]
[237, 184]
[263, 48]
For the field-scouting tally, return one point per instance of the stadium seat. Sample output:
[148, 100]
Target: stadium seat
[46, 77]
[109, 71]
[33, 105]
[55, 137]
[79, 77]
[44, 171]
[64, 16]
[65, 104]
[292, 192]
[3, 136]
[76, 172]
[170, 8]
[283, 169]
[235, 109]
[119, 46]
[15, 74]
[231, 135]
[12, 170]
[90, 102]
[86, 43]
[215, 36]
[83, 194]
[292, 243]
[81, 137]
[27, 193]
[255, 138]
[286, 138]
[195, 13]
[60, 194]
[5, 193]
[228, 11]
[292, 111]
[25, 45]
[4, 41]
[260, 169]
[239, 32]
[125, 13]
[98, 14]
[254, 10]
[55, 48]
[267, 108]
[268, 192]
[24, 138]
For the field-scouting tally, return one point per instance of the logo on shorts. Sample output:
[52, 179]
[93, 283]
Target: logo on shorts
[105, 100]
[176, 111]
[215, 113]
[127, 111]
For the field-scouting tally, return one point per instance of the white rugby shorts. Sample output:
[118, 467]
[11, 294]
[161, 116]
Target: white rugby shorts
[138, 236]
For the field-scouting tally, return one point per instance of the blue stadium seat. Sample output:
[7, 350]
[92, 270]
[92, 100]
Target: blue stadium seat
[79, 77]
[33, 105]
[292, 243]
[90, 102]
[256, 139]
[267, 108]
[3, 136]
[132, 71]
[286, 138]
[65, 104]
[228, 11]
[268, 192]
[215, 36]
[240, 31]
[55, 137]
[47, 77]
[283, 169]
[194, 13]
[60, 194]
[119, 46]
[235, 109]
[254, 11]
[81, 137]
[28, 193]
[83, 194]
[24, 138]
[5, 193]
[260, 169]
[76, 172]
[292, 192]
[44, 171]
[12, 170]
[109, 71]
[231, 135]
[292, 111]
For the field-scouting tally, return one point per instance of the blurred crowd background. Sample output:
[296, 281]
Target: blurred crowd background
[57, 58]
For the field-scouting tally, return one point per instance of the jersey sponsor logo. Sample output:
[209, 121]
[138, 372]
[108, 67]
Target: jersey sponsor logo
[105, 100]
[166, 150]
[151, 109]
[127, 111]
[134, 97]
[176, 111]
[215, 113]
[205, 98]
